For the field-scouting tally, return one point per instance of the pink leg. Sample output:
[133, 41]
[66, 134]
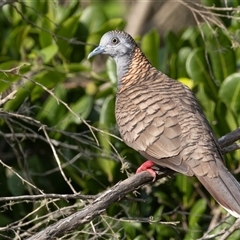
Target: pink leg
[146, 166]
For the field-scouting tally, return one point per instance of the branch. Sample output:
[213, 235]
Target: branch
[46, 196]
[98, 206]
[231, 230]
[8, 97]
[229, 138]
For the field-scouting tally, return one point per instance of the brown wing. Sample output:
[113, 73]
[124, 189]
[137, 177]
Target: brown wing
[149, 124]
[165, 124]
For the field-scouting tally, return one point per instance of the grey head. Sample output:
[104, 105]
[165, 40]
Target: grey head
[120, 46]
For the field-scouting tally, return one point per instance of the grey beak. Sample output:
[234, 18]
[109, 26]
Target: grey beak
[97, 50]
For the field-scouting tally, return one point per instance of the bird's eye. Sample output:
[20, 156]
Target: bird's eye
[115, 40]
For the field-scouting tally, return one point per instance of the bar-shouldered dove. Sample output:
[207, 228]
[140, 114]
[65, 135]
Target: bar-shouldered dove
[160, 118]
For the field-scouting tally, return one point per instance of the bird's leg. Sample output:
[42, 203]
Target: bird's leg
[147, 166]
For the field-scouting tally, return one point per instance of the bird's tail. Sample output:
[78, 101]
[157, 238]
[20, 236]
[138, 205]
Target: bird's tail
[225, 189]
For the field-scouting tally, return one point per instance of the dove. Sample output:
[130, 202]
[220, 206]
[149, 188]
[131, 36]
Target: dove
[161, 119]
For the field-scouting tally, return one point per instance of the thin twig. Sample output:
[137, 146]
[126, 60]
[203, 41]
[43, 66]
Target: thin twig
[8, 97]
[58, 161]
[45, 196]
[231, 230]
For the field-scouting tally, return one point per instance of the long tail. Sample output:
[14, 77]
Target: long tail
[225, 189]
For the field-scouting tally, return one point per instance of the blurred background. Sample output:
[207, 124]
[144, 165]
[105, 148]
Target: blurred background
[58, 132]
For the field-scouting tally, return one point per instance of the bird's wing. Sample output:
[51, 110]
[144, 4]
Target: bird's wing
[164, 123]
[148, 121]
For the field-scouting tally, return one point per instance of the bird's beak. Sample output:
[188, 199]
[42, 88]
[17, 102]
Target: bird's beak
[97, 50]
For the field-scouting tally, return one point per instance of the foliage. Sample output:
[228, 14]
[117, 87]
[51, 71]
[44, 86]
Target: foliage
[62, 117]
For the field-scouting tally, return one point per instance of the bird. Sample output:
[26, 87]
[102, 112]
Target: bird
[161, 119]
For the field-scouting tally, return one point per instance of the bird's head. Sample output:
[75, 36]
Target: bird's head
[115, 44]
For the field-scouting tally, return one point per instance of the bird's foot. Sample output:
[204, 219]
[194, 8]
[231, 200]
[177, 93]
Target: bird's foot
[147, 166]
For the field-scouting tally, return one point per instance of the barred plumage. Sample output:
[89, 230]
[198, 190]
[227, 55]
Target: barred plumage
[161, 118]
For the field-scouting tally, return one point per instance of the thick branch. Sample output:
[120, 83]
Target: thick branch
[95, 208]
[229, 138]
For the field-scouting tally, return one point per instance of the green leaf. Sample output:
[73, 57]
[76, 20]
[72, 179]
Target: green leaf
[186, 187]
[212, 3]
[173, 66]
[112, 71]
[195, 215]
[6, 79]
[197, 69]
[15, 185]
[48, 23]
[48, 52]
[51, 109]
[63, 13]
[82, 108]
[224, 119]
[115, 23]
[48, 79]
[190, 36]
[235, 3]
[17, 38]
[104, 90]
[221, 53]
[163, 55]
[107, 114]
[107, 119]
[29, 89]
[72, 68]
[130, 229]
[172, 42]
[67, 30]
[91, 40]
[22, 93]
[93, 17]
[196, 212]
[150, 45]
[172, 48]
[181, 61]
[229, 92]
[45, 38]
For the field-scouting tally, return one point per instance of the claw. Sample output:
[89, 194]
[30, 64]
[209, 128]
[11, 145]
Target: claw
[147, 166]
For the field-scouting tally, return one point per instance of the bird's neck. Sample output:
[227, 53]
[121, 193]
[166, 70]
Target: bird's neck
[123, 63]
[132, 68]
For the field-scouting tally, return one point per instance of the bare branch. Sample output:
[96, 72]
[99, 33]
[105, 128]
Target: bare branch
[231, 230]
[233, 147]
[8, 97]
[98, 206]
[45, 196]
[229, 138]
[58, 161]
